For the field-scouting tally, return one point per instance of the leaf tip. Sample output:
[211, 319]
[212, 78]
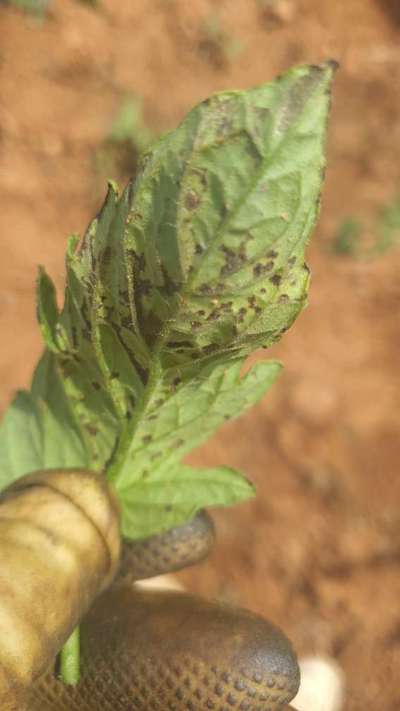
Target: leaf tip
[113, 188]
[332, 64]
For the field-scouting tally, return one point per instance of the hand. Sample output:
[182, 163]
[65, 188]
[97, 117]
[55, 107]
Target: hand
[140, 649]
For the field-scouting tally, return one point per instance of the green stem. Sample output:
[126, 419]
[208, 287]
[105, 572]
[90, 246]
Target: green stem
[125, 442]
[69, 659]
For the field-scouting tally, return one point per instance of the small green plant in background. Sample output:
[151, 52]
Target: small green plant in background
[277, 12]
[367, 240]
[346, 240]
[216, 44]
[36, 8]
[91, 3]
[197, 264]
[128, 137]
[129, 125]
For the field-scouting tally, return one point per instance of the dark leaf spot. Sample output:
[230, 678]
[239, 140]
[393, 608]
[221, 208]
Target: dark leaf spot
[227, 306]
[276, 279]
[178, 443]
[192, 200]
[210, 348]
[214, 315]
[179, 344]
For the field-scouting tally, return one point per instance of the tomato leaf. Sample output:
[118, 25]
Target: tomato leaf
[196, 265]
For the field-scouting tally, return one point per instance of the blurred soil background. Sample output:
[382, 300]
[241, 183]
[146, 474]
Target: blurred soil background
[83, 88]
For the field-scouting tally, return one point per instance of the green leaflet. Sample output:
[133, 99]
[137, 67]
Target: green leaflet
[177, 421]
[173, 423]
[168, 498]
[196, 265]
[39, 430]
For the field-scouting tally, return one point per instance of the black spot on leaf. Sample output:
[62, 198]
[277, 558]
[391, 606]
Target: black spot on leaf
[276, 279]
[191, 200]
[179, 344]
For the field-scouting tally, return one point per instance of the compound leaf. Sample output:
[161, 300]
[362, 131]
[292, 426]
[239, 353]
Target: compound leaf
[197, 264]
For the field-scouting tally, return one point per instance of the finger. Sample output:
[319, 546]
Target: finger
[172, 651]
[59, 548]
[168, 552]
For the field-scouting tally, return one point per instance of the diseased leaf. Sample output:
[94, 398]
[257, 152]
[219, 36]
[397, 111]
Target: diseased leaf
[180, 419]
[198, 263]
[165, 500]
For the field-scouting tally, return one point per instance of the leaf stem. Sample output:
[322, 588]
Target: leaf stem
[123, 447]
[70, 659]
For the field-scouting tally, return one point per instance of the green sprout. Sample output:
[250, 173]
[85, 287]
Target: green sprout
[216, 44]
[349, 238]
[32, 7]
